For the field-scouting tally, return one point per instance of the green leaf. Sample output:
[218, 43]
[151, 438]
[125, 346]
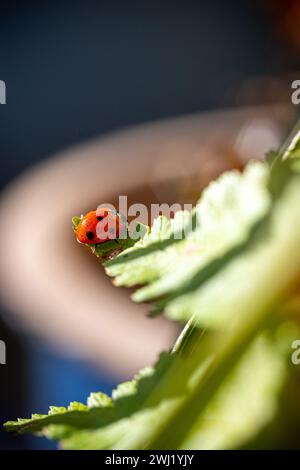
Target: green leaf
[226, 213]
[100, 411]
[253, 278]
[99, 400]
[129, 268]
[75, 222]
[248, 290]
[245, 403]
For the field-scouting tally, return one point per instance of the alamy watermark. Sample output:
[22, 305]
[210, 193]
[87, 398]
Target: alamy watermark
[295, 97]
[2, 92]
[2, 352]
[136, 216]
[295, 357]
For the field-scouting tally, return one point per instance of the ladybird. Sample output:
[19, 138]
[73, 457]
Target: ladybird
[100, 226]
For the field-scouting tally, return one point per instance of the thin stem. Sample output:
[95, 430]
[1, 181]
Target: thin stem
[184, 336]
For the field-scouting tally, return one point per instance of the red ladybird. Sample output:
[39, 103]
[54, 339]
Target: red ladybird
[100, 226]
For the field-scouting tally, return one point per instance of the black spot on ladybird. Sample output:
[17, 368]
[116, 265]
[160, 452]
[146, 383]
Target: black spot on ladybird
[90, 235]
[100, 218]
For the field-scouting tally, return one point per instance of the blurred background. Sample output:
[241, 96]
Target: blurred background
[74, 71]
